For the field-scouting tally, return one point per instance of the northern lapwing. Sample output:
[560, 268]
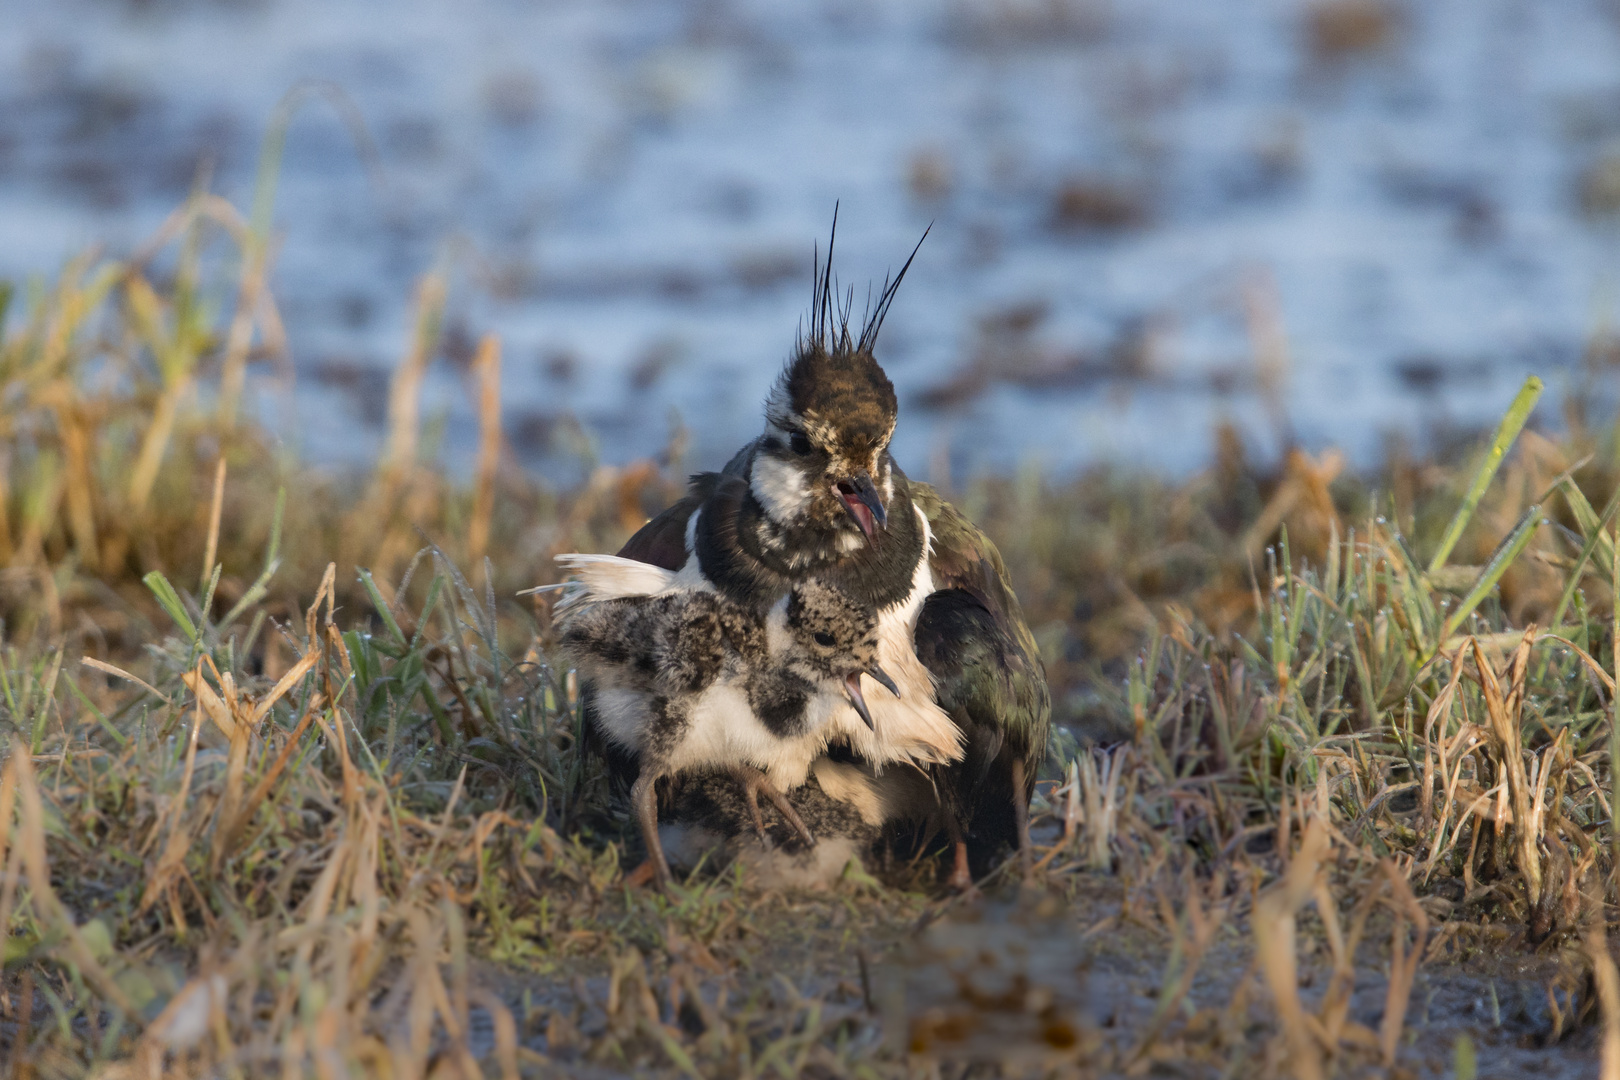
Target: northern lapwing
[821, 496]
[690, 681]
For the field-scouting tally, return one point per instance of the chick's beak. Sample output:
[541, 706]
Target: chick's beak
[881, 676]
[852, 688]
[861, 501]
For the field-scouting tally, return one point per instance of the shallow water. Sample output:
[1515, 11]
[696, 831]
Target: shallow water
[629, 193]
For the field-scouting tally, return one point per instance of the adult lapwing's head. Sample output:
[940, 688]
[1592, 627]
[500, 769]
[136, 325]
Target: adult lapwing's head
[823, 461]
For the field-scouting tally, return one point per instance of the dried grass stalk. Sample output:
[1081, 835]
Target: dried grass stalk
[1274, 929]
[1607, 979]
[487, 369]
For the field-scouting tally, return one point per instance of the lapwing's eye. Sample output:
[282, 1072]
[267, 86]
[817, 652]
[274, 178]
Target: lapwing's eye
[800, 442]
[824, 639]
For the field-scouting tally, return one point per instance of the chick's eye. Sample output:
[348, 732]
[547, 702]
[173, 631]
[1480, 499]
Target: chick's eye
[800, 442]
[824, 639]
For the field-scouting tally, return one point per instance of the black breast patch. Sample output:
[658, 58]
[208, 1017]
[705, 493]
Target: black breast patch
[778, 697]
[732, 552]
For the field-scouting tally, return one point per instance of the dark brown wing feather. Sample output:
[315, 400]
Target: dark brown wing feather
[662, 541]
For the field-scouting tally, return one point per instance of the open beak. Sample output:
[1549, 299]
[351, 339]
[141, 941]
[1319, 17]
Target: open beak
[852, 688]
[881, 676]
[860, 498]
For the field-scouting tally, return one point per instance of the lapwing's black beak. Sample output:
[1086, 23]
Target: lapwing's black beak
[881, 676]
[860, 498]
[852, 689]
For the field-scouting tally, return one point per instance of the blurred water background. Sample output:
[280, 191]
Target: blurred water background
[1339, 222]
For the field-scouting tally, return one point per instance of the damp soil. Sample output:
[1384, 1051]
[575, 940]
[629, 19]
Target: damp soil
[1066, 979]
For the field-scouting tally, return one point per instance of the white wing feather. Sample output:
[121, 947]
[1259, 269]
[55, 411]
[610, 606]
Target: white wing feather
[609, 577]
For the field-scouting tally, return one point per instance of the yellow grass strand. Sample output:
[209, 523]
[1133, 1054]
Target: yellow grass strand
[1607, 979]
[215, 510]
[1274, 931]
[487, 369]
[405, 393]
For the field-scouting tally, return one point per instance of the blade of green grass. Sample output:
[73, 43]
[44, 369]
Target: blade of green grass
[1594, 539]
[1506, 552]
[272, 552]
[170, 601]
[1506, 433]
[382, 607]
[1587, 519]
[256, 592]
[1410, 594]
[101, 717]
[47, 698]
[272, 562]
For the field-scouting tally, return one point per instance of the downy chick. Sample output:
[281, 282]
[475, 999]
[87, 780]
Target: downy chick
[687, 680]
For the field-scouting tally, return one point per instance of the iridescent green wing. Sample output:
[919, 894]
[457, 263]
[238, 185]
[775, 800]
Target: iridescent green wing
[973, 638]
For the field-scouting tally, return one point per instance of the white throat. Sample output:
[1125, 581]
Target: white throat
[780, 488]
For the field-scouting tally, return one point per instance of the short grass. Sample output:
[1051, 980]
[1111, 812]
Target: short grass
[291, 787]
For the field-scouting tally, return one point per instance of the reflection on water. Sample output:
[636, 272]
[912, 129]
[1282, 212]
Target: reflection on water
[1148, 216]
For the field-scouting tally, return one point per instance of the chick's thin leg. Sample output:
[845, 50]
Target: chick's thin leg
[753, 783]
[645, 802]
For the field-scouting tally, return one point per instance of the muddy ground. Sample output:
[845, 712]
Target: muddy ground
[1065, 977]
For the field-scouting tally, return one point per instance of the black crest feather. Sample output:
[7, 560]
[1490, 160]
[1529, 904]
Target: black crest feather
[830, 314]
[873, 322]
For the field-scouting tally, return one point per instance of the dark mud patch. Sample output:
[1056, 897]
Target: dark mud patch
[1073, 979]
